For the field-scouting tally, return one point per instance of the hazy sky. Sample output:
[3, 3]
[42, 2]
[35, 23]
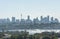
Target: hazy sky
[34, 8]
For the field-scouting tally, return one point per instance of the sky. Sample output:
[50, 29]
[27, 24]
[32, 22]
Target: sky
[34, 8]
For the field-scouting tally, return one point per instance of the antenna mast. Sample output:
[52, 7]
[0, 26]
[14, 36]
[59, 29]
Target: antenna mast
[21, 16]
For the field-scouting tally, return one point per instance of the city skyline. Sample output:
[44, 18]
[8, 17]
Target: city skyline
[28, 16]
[34, 8]
[42, 23]
[42, 19]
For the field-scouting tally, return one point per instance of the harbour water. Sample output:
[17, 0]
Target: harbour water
[32, 31]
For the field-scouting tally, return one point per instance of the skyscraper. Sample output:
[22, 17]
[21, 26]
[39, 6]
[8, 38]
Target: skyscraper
[28, 17]
[56, 20]
[41, 17]
[47, 19]
[28, 21]
[13, 19]
[52, 20]
[8, 20]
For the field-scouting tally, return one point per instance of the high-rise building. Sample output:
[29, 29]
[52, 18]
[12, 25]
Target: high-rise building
[22, 22]
[52, 20]
[8, 20]
[28, 21]
[2, 21]
[13, 19]
[47, 19]
[41, 17]
[56, 20]
[28, 17]
[36, 21]
[44, 20]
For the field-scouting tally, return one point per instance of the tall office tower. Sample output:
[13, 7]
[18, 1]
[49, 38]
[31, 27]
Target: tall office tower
[13, 19]
[47, 19]
[41, 19]
[21, 19]
[52, 20]
[28, 21]
[22, 22]
[8, 20]
[56, 20]
[28, 17]
[36, 21]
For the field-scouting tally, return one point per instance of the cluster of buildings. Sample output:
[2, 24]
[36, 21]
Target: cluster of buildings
[29, 21]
